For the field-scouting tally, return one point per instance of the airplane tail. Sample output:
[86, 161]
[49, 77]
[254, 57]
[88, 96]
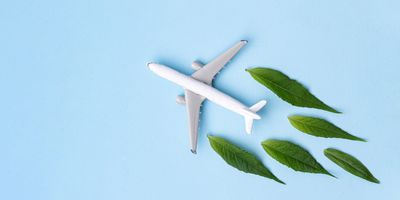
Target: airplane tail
[249, 119]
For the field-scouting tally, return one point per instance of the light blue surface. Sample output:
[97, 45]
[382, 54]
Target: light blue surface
[82, 117]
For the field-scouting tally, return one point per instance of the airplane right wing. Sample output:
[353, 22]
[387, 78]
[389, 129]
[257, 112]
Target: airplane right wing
[193, 104]
[207, 72]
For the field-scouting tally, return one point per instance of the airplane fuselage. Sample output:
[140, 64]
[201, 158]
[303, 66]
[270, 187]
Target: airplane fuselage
[202, 89]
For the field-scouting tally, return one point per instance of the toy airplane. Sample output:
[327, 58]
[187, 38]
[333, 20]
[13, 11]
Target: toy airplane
[198, 87]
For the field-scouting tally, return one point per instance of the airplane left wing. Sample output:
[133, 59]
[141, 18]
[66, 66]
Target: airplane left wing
[207, 72]
[193, 104]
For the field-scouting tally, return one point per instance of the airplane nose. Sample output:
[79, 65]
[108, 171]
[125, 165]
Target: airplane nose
[149, 63]
[152, 65]
[193, 151]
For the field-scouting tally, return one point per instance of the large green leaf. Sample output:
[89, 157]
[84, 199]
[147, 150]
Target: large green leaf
[293, 156]
[239, 158]
[288, 89]
[319, 127]
[350, 164]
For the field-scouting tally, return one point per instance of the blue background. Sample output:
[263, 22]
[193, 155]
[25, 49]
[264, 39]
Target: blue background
[82, 117]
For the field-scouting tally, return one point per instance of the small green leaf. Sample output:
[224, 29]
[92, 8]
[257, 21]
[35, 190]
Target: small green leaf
[239, 158]
[293, 156]
[288, 89]
[320, 128]
[350, 164]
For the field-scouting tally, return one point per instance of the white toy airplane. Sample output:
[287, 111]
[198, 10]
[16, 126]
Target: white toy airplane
[198, 87]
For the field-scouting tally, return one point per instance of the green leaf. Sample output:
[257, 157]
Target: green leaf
[288, 89]
[320, 128]
[293, 156]
[350, 164]
[239, 158]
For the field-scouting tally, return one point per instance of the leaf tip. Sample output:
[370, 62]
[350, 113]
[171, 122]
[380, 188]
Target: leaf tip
[375, 180]
[329, 174]
[210, 137]
[327, 151]
[362, 139]
[281, 182]
[335, 111]
[264, 143]
[248, 69]
[291, 117]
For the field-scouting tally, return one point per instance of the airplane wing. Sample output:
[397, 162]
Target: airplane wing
[207, 72]
[193, 104]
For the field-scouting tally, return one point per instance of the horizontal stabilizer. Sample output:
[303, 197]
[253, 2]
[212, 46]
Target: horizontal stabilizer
[256, 107]
[249, 120]
[196, 65]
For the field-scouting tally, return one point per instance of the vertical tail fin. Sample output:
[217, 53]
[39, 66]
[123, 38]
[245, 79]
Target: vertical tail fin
[254, 108]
